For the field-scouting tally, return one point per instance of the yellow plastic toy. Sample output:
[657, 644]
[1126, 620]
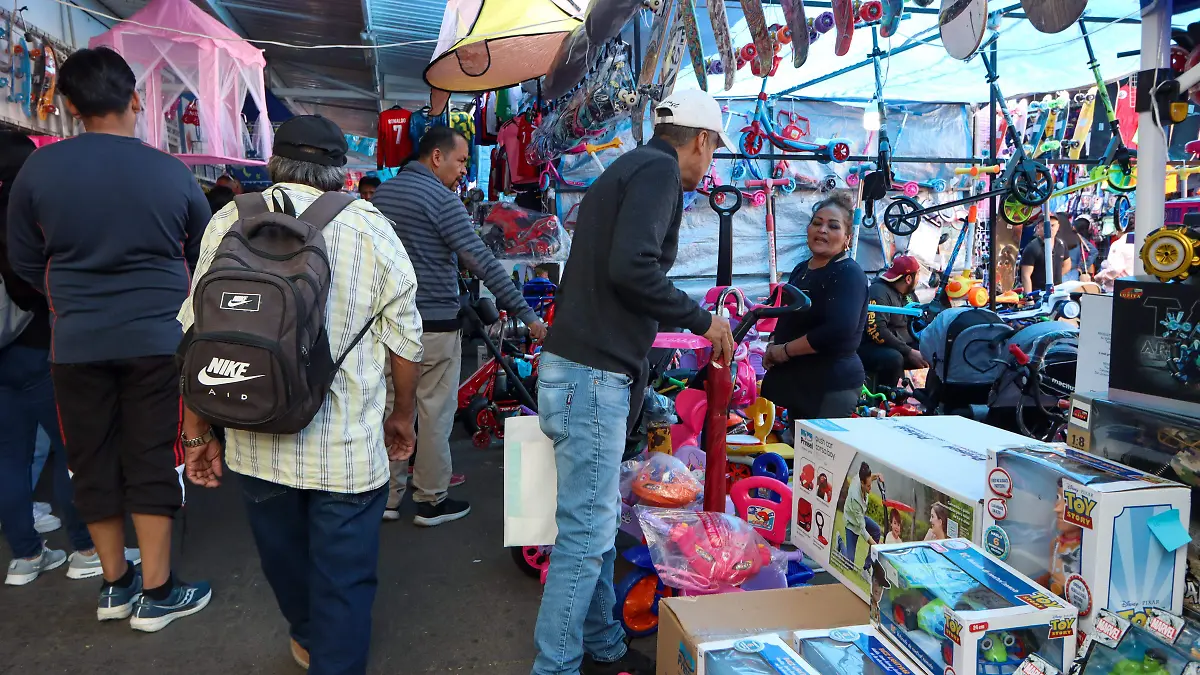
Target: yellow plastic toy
[762, 418]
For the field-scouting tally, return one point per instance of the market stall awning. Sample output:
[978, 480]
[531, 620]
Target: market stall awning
[492, 44]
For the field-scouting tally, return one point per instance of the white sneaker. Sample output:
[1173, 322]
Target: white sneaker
[88, 566]
[22, 571]
[40, 508]
[44, 522]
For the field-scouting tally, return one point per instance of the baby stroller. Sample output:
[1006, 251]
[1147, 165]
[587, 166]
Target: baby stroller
[1039, 376]
[965, 349]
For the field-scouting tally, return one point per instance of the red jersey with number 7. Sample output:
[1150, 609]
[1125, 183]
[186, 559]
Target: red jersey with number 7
[394, 143]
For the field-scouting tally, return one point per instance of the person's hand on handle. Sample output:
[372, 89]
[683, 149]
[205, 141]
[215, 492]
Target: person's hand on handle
[914, 360]
[400, 436]
[537, 330]
[721, 338]
[775, 355]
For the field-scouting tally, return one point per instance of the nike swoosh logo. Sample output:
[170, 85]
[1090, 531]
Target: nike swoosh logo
[211, 381]
[239, 303]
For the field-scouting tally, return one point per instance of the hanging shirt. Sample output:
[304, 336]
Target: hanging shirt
[515, 136]
[395, 145]
[418, 124]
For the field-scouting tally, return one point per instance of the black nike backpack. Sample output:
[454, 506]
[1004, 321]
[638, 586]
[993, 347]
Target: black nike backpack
[257, 356]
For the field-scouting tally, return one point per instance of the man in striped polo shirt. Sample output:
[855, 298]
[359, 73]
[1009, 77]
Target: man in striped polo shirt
[438, 235]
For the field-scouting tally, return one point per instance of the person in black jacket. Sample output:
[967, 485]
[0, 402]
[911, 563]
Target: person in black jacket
[888, 347]
[613, 297]
[27, 401]
[813, 366]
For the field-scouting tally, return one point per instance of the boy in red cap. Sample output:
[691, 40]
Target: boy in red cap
[888, 348]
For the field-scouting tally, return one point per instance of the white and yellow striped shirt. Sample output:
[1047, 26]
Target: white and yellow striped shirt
[342, 450]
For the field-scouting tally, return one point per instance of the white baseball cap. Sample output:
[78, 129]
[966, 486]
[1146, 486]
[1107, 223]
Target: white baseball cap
[696, 109]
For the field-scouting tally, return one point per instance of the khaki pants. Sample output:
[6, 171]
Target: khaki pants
[437, 401]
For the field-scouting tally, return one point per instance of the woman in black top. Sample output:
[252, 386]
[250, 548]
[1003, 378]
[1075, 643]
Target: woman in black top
[813, 366]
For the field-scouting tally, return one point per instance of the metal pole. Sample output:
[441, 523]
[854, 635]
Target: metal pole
[637, 48]
[993, 204]
[1152, 149]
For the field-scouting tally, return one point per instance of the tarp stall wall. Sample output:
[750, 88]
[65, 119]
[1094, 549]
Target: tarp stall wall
[919, 130]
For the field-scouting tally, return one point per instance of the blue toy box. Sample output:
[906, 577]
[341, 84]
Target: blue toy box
[767, 654]
[853, 650]
[954, 610]
[1165, 644]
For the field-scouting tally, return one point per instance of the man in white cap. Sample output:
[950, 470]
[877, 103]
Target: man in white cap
[613, 298]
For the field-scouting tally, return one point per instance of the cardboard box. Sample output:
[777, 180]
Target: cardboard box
[957, 611]
[1088, 529]
[931, 473]
[687, 622]
[1154, 329]
[853, 650]
[1165, 645]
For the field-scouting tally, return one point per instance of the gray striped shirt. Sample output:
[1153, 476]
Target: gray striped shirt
[437, 234]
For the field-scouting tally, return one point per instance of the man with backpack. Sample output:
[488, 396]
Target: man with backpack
[114, 268]
[302, 300]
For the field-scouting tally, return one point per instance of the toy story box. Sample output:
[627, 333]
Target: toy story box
[1165, 644]
[954, 610]
[853, 650]
[1096, 533]
[767, 654]
[865, 481]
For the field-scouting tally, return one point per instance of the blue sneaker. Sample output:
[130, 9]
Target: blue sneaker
[185, 599]
[117, 603]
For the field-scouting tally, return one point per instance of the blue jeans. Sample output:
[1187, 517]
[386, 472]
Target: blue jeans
[27, 401]
[41, 452]
[319, 551]
[582, 410]
[851, 546]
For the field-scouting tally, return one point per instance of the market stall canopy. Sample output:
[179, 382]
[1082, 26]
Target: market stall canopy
[175, 47]
[492, 44]
[1029, 61]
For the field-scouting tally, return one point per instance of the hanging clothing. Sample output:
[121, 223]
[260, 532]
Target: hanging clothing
[395, 146]
[515, 137]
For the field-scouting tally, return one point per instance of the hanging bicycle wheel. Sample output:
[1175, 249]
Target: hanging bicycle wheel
[897, 218]
[1120, 180]
[752, 143]
[1032, 190]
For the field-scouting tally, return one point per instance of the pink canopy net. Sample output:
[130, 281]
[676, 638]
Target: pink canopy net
[216, 66]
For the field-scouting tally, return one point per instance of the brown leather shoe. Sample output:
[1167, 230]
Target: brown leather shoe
[300, 655]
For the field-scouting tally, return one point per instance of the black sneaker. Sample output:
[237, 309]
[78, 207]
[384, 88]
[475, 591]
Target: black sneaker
[429, 515]
[633, 663]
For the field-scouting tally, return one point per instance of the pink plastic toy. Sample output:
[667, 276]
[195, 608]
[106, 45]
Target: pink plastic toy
[720, 551]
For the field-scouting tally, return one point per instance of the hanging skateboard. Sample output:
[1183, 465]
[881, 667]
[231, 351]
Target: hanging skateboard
[720, 26]
[798, 30]
[1053, 16]
[37, 77]
[46, 105]
[1127, 116]
[691, 32]
[658, 34]
[892, 9]
[6, 54]
[764, 41]
[20, 90]
[1056, 125]
[673, 57]
[1020, 115]
[962, 24]
[1083, 124]
[844, 17]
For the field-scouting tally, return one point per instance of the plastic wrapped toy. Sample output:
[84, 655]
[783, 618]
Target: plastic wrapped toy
[511, 231]
[705, 552]
[1165, 645]
[665, 481]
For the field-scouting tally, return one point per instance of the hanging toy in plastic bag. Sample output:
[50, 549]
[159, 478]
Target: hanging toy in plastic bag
[663, 480]
[703, 552]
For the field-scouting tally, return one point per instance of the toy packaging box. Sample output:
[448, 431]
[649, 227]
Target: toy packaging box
[1165, 645]
[957, 611]
[767, 654]
[1156, 345]
[868, 480]
[853, 650]
[1096, 533]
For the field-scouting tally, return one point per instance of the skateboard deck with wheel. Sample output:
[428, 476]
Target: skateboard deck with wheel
[46, 105]
[1127, 116]
[793, 14]
[1083, 125]
[38, 75]
[720, 26]
[1020, 116]
[1047, 126]
[962, 24]
[658, 34]
[892, 9]
[844, 17]
[691, 32]
[764, 40]
[21, 84]
[675, 48]
[1053, 16]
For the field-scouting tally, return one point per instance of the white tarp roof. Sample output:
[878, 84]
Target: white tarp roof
[1029, 61]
